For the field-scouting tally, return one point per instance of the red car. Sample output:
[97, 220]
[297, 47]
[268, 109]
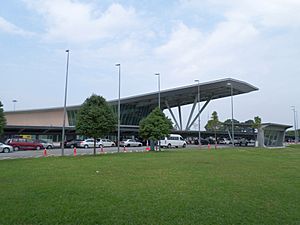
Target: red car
[24, 144]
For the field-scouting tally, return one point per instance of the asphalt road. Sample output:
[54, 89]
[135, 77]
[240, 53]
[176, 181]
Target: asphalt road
[79, 151]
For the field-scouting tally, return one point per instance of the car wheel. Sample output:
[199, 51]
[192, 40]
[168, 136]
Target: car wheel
[140, 145]
[6, 150]
[184, 145]
[128, 145]
[100, 146]
[38, 148]
[86, 146]
[49, 147]
[169, 145]
[72, 146]
[16, 148]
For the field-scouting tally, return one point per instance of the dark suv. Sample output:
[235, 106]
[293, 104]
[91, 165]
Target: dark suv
[24, 144]
[72, 143]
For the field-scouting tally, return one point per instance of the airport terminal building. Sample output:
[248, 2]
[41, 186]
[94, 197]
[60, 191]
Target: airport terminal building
[48, 122]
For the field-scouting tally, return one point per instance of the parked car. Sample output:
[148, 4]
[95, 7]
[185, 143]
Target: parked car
[174, 140]
[241, 141]
[72, 143]
[203, 142]
[46, 144]
[211, 140]
[130, 143]
[224, 141]
[24, 144]
[105, 143]
[87, 143]
[5, 148]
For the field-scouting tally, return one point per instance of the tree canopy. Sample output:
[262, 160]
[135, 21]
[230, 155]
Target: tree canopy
[214, 124]
[2, 119]
[257, 122]
[155, 126]
[95, 118]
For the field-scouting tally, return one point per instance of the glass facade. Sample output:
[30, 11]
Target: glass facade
[130, 114]
[72, 117]
[273, 138]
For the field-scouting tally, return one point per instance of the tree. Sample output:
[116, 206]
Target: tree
[248, 126]
[155, 126]
[228, 125]
[2, 119]
[214, 124]
[257, 123]
[95, 118]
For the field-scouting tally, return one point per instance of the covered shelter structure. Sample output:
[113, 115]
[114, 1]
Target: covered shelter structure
[271, 135]
[133, 109]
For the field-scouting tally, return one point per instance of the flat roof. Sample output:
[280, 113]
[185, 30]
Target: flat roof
[176, 96]
[275, 125]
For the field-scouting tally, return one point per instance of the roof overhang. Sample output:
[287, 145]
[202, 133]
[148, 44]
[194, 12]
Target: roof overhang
[187, 94]
[178, 96]
[275, 126]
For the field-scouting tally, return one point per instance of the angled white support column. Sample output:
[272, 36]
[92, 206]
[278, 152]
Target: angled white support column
[172, 114]
[198, 114]
[191, 113]
[180, 118]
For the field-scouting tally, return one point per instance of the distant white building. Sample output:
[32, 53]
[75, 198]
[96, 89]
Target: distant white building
[271, 135]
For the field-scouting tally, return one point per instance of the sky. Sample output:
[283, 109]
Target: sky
[250, 40]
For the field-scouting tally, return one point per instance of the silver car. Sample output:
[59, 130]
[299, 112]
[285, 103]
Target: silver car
[105, 143]
[130, 143]
[87, 143]
[46, 144]
[5, 148]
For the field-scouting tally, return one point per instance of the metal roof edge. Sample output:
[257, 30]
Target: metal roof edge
[137, 96]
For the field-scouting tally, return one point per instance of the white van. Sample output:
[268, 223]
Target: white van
[174, 140]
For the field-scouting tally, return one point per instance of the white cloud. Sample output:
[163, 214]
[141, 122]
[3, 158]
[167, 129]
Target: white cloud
[68, 20]
[268, 13]
[10, 28]
[192, 52]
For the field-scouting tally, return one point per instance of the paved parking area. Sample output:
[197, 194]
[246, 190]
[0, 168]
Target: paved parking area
[79, 151]
[67, 152]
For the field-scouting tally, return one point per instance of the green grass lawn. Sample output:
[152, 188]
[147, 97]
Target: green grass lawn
[228, 186]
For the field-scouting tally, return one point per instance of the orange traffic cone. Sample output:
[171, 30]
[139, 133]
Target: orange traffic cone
[75, 151]
[208, 146]
[45, 152]
[125, 150]
[147, 146]
[101, 149]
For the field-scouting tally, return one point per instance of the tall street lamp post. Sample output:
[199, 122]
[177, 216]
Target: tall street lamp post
[199, 127]
[232, 123]
[158, 77]
[65, 103]
[295, 124]
[14, 102]
[119, 106]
